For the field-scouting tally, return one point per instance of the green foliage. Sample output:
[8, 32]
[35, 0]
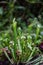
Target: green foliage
[22, 46]
[11, 9]
[22, 35]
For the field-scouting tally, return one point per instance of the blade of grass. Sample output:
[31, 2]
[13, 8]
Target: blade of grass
[31, 54]
[37, 32]
[15, 36]
[12, 53]
[7, 55]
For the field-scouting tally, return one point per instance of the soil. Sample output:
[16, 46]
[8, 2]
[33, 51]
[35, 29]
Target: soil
[6, 62]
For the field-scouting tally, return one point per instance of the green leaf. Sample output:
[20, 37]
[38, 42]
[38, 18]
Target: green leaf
[1, 10]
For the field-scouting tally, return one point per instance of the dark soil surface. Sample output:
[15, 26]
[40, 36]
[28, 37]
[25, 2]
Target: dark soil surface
[6, 62]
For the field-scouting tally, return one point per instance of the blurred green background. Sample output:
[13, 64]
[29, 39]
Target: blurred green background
[23, 10]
